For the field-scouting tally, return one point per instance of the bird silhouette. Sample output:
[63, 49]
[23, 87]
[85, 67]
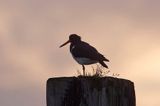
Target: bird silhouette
[84, 53]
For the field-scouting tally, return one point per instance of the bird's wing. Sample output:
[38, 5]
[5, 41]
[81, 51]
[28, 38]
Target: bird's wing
[87, 51]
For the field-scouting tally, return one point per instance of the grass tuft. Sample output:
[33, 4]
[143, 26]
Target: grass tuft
[96, 72]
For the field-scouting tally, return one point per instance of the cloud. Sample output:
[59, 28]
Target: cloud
[126, 32]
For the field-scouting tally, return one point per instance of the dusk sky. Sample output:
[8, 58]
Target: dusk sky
[31, 31]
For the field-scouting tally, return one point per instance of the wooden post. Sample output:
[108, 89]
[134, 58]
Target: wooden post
[90, 91]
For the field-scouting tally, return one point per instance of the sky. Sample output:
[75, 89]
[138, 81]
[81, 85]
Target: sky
[126, 32]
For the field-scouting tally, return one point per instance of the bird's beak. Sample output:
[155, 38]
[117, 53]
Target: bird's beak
[64, 43]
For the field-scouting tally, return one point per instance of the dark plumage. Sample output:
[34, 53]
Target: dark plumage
[84, 53]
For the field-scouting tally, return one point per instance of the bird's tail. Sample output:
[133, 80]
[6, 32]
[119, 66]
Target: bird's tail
[103, 64]
[103, 58]
[106, 60]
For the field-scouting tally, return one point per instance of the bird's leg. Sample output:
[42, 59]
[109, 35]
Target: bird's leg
[83, 70]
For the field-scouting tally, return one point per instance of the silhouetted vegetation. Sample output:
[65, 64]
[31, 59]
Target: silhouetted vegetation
[98, 71]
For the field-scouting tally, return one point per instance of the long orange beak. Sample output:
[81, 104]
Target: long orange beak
[64, 43]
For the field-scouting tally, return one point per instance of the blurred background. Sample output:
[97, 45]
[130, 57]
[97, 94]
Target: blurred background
[126, 32]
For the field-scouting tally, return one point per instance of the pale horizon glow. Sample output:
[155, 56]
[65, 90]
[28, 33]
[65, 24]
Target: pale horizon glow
[31, 31]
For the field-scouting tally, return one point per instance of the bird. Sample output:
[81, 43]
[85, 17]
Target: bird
[84, 53]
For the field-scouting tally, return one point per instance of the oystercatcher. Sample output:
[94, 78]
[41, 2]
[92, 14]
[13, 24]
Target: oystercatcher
[84, 53]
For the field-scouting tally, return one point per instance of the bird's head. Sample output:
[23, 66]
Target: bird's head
[73, 38]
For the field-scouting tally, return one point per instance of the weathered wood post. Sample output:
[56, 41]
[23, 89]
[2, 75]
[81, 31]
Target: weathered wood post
[90, 91]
